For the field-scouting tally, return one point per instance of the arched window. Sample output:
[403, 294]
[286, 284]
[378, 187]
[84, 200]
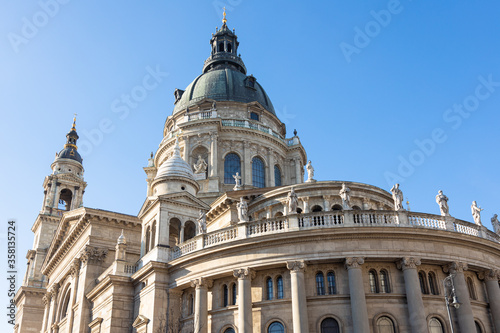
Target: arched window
[65, 198]
[432, 284]
[191, 304]
[276, 327]
[384, 282]
[65, 304]
[258, 173]
[470, 287]
[356, 208]
[330, 325]
[225, 297]
[228, 47]
[221, 47]
[189, 230]
[279, 284]
[153, 235]
[148, 237]
[372, 275]
[320, 283]
[332, 286]
[277, 176]
[233, 294]
[337, 207]
[385, 325]
[316, 208]
[435, 326]
[421, 279]
[478, 327]
[269, 288]
[229, 330]
[232, 165]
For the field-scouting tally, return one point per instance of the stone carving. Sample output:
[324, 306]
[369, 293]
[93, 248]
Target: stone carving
[476, 212]
[54, 290]
[46, 298]
[200, 166]
[75, 268]
[408, 263]
[455, 267]
[293, 201]
[489, 275]
[346, 197]
[202, 283]
[397, 196]
[310, 173]
[151, 161]
[237, 179]
[242, 210]
[244, 273]
[296, 266]
[94, 254]
[496, 224]
[202, 222]
[354, 262]
[442, 201]
[214, 105]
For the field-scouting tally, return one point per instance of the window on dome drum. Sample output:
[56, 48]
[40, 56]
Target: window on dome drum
[276, 327]
[421, 279]
[254, 116]
[229, 330]
[373, 281]
[320, 283]
[277, 176]
[384, 282]
[269, 288]
[153, 235]
[258, 173]
[330, 325]
[233, 294]
[191, 304]
[232, 165]
[225, 298]
[432, 284]
[332, 286]
[279, 284]
[385, 325]
[478, 327]
[435, 326]
[470, 287]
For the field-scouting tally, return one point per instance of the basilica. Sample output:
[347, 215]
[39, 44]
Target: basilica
[236, 235]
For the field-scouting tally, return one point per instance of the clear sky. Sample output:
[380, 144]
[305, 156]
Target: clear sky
[379, 92]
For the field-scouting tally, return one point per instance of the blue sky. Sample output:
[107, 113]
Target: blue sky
[366, 84]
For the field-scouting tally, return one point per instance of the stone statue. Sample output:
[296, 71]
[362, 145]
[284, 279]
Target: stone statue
[151, 161]
[242, 210]
[442, 201]
[476, 212]
[202, 222]
[237, 179]
[200, 166]
[293, 201]
[346, 197]
[310, 172]
[214, 105]
[397, 196]
[496, 224]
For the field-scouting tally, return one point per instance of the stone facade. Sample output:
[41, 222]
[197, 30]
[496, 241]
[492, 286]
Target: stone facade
[332, 265]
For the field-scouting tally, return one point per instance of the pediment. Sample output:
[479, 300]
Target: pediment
[140, 321]
[177, 199]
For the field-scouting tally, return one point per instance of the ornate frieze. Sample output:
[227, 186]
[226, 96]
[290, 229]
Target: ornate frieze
[354, 262]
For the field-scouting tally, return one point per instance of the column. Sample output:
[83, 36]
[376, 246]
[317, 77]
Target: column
[181, 236]
[464, 312]
[270, 161]
[298, 172]
[357, 293]
[305, 200]
[491, 278]
[46, 301]
[186, 148]
[245, 320]
[213, 154]
[75, 273]
[246, 177]
[299, 301]
[201, 286]
[418, 321]
[53, 306]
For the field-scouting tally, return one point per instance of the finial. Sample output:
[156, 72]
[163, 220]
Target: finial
[74, 122]
[122, 239]
[224, 14]
[408, 204]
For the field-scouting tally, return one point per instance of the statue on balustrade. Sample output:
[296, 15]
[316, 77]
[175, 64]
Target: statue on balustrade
[237, 179]
[346, 197]
[242, 210]
[200, 166]
[293, 201]
[476, 212]
[397, 196]
[202, 222]
[442, 201]
[496, 224]
[310, 172]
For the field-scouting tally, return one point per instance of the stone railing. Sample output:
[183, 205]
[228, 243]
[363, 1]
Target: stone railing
[331, 219]
[207, 114]
[251, 125]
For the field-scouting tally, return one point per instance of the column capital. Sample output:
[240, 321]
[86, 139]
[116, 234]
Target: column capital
[244, 273]
[202, 282]
[54, 290]
[455, 267]
[75, 268]
[489, 275]
[46, 298]
[354, 262]
[408, 263]
[92, 254]
[296, 266]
